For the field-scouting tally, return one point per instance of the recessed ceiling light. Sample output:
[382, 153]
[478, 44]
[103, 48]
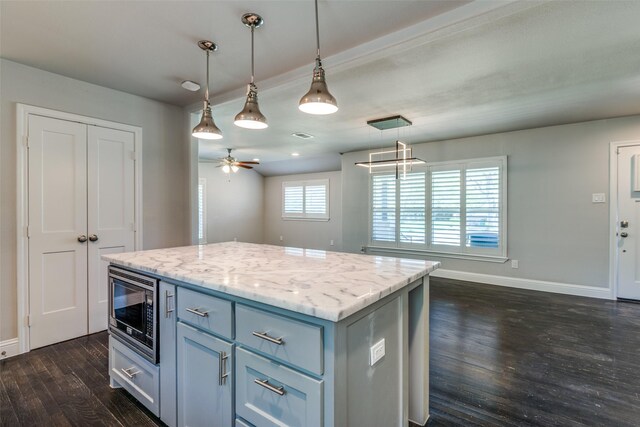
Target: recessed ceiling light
[295, 154]
[256, 160]
[302, 135]
[189, 85]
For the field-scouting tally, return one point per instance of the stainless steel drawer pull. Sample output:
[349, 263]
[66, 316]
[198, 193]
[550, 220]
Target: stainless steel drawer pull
[266, 337]
[223, 374]
[167, 310]
[128, 372]
[198, 312]
[265, 383]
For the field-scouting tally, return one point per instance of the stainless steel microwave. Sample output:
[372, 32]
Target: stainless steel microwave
[133, 311]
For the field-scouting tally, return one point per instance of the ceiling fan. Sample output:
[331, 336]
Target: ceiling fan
[230, 163]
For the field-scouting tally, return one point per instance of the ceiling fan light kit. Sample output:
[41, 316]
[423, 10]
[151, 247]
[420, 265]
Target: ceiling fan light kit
[318, 100]
[231, 164]
[207, 128]
[251, 117]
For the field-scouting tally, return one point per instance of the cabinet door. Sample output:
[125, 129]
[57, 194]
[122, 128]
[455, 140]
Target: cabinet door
[167, 325]
[205, 381]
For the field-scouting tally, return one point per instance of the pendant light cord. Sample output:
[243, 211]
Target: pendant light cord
[253, 26]
[206, 93]
[317, 30]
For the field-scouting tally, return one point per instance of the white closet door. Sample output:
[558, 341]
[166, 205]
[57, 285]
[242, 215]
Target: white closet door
[111, 213]
[57, 222]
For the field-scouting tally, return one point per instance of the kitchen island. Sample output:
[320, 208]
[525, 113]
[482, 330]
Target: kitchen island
[266, 335]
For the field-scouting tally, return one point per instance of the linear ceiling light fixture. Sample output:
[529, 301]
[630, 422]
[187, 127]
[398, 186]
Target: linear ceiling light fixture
[250, 117]
[403, 160]
[318, 100]
[207, 128]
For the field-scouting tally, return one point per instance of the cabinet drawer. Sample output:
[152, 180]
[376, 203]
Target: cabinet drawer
[280, 337]
[267, 391]
[205, 312]
[135, 374]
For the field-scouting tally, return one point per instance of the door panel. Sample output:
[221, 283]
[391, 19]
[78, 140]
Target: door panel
[203, 399]
[629, 211]
[57, 216]
[110, 202]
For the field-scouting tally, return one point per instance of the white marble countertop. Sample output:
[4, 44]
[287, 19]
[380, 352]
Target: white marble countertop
[328, 285]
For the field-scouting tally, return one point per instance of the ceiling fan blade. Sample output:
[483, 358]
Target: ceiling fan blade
[244, 166]
[248, 163]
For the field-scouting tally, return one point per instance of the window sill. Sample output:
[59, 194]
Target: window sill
[288, 218]
[422, 252]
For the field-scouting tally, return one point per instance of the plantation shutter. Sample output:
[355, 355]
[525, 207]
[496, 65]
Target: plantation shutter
[412, 208]
[482, 201]
[383, 207]
[445, 207]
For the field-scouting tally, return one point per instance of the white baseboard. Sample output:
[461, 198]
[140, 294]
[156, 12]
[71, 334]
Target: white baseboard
[9, 348]
[534, 285]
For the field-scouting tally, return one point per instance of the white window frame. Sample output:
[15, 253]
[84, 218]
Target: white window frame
[202, 240]
[462, 252]
[304, 216]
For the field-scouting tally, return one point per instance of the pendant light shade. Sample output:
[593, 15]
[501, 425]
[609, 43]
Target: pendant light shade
[251, 117]
[318, 100]
[207, 128]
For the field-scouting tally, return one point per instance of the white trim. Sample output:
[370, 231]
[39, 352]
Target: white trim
[423, 252]
[613, 211]
[202, 182]
[9, 348]
[530, 284]
[23, 111]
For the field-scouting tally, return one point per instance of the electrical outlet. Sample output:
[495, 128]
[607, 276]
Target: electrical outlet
[598, 198]
[331, 243]
[515, 263]
[235, 239]
[376, 352]
[281, 238]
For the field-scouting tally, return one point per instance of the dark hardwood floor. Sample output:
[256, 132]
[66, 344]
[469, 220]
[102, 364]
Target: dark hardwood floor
[499, 357]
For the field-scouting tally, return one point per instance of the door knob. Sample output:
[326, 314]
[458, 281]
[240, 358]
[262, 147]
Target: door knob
[93, 238]
[82, 238]
[624, 234]
[624, 224]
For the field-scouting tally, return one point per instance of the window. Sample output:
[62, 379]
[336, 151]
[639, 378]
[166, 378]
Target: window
[452, 207]
[202, 210]
[305, 199]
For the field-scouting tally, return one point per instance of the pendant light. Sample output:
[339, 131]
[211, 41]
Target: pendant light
[207, 129]
[250, 117]
[318, 100]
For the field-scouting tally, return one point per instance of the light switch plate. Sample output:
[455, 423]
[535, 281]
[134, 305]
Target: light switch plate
[376, 352]
[598, 198]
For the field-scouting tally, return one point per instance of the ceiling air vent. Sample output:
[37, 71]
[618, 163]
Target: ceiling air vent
[389, 123]
[302, 135]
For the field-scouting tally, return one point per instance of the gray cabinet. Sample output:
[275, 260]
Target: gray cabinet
[205, 383]
[135, 374]
[167, 325]
[270, 394]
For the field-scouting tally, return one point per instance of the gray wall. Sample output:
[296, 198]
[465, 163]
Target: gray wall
[305, 234]
[234, 207]
[554, 229]
[165, 161]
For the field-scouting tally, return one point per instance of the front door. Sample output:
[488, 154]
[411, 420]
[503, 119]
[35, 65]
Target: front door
[110, 178]
[57, 230]
[629, 222]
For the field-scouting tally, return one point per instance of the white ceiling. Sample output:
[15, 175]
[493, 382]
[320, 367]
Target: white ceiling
[453, 68]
